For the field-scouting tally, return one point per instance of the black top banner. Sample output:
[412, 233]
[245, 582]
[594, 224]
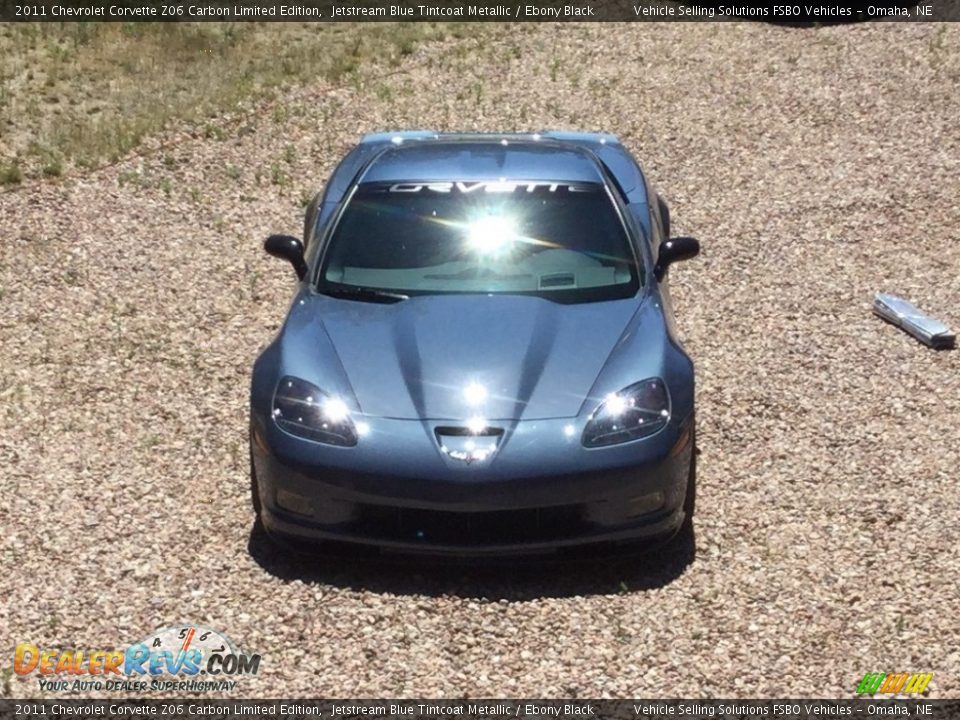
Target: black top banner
[246, 709]
[471, 11]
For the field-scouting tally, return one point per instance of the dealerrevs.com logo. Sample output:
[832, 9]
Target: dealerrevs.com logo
[894, 683]
[185, 657]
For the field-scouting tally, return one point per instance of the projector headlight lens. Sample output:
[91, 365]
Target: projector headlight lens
[635, 412]
[302, 409]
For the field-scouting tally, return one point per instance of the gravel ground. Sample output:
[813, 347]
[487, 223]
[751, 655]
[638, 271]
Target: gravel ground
[815, 165]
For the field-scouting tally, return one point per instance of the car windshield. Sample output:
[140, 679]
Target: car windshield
[561, 241]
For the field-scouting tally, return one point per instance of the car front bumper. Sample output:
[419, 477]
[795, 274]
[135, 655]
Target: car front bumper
[530, 500]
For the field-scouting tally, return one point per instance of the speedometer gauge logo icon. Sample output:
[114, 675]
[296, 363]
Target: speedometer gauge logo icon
[183, 638]
[189, 649]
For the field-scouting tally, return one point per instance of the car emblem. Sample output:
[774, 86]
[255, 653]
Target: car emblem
[469, 445]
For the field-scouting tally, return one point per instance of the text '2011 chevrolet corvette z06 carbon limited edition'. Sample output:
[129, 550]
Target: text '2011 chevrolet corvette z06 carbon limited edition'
[480, 356]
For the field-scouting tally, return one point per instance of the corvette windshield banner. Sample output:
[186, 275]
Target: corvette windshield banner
[473, 11]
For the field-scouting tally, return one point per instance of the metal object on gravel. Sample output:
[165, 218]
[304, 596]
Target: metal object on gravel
[909, 318]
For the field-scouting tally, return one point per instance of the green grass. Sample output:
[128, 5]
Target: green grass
[10, 173]
[81, 94]
[278, 175]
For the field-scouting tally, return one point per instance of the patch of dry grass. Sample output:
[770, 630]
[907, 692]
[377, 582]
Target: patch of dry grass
[85, 93]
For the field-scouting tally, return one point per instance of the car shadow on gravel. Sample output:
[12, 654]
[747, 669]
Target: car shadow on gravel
[599, 573]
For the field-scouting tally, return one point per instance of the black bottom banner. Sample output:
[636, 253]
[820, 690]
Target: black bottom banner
[486, 709]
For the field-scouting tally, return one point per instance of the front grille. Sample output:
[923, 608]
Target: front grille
[497, 527]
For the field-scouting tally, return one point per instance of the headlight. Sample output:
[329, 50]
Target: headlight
[635, 412]
[304, 410]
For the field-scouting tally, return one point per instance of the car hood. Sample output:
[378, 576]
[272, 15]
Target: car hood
[428, 357]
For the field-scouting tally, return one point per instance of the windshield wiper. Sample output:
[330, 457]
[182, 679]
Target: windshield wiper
[364, 294]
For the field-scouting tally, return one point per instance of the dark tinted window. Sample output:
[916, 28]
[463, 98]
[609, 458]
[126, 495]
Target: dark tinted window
[558, 240]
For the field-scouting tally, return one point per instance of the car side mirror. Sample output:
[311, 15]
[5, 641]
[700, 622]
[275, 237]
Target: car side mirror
[675, 250]
[288, 248]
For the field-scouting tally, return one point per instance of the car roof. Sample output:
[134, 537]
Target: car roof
[603, 149]
[491, 157]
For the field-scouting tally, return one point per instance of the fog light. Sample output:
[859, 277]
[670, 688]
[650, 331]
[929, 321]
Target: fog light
[643, 504]
[617, 512]
[294, 503]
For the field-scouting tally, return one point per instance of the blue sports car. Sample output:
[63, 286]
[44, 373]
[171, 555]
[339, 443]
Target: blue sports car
[480, 357]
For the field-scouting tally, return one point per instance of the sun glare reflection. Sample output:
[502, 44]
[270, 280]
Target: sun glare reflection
[615, 404]
[491, 234]
[474, 393]
[335, 409]
[476, 425]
